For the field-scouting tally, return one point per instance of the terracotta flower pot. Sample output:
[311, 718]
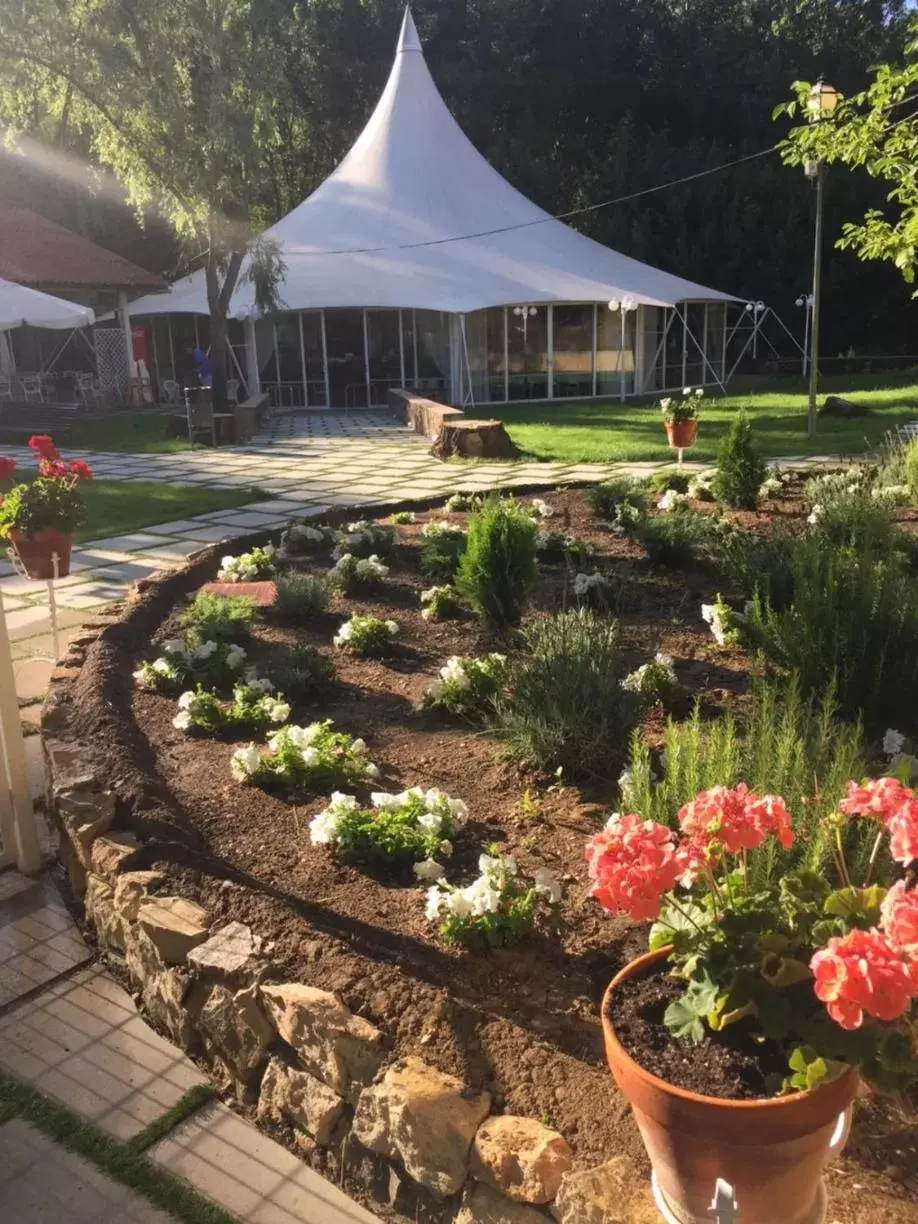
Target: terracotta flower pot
[681, 433]
[36, 551]
[772, 1152]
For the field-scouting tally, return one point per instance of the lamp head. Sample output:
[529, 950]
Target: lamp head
[822, 100]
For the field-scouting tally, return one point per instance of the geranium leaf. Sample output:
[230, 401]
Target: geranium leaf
[686, 1016]
[679, 927]
[856, 904]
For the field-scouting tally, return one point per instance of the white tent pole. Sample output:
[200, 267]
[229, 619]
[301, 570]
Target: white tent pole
[621, 357]
[704, 357]
[299, 316]
[551, 349]
[595, 342]
[506, 355]
[401, 347]
[366, 352]
[774, 314]
[669, 316]
[743, 352]
[723, 348]
[328, 402]
[125, 318]
[414, 328]
[253, 377]
[468, 364]
[171, 346]
[684, 346]
[17, 814]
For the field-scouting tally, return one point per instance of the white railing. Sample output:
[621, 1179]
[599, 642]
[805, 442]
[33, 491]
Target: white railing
[18, 835]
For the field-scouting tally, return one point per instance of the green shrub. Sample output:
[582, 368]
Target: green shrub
[679, 539]
[566, 706]
[440, 603]
[846, 514]
[305, 760]
[790, 745]
[853, 616]
[656, 683]
[365, 538]
[414, 828]
[366, 636]
[220, 618]
[663, 482]
[302, 597]
[302, 538]
[467, 688]
[740, 469]
[605, 499]
[554, 548]
[353, 574]
[442, 548]
[498, 569]
[302, 672]
[252, 709]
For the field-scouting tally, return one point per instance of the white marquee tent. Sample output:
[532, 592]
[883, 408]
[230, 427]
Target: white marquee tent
[416, 263]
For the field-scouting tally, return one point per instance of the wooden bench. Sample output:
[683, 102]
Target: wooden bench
[20, 420]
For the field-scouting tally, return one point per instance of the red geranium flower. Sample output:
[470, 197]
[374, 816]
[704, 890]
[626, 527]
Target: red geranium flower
[862, 972]
[632, 864]
[7, 467]
[44, 446]
[81, 469]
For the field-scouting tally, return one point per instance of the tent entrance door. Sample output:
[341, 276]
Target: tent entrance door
[345, 343]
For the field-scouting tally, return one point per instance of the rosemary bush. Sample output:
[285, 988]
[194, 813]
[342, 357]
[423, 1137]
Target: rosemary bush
[498, 569]
[301, 597]
[220, 618]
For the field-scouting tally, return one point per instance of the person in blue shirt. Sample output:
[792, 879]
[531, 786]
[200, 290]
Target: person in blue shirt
[205, 367]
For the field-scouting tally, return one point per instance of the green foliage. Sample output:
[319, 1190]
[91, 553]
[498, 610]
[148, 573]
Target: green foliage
[397, 832]
[354, 574]
[301, 597]
[252, 708]
[555, 548]
[845, 513]
[498, 570]
[854, 618]
[686, 1017]
[442, 548]
[496, 910]
[302, 672]
[305, 760]
[46, 501]
[679, 539]
[364, 538]
[790, 745]
[656, 683]
[440, 603]
[566, 706]
[366, 636]
[740, 468]
[663, 482]
[304, 538]
[220, 618]
[468, 688]
[605, 499]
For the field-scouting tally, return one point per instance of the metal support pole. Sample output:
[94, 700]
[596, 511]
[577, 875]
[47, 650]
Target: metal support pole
[366, 353]
[328, 402]
[252, 374]
[303, 369]
[401, 348]
[817, 294]
[125, 318]
[595, 342]
[550, 319]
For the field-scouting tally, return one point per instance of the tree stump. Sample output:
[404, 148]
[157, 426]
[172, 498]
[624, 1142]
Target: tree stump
[474, 440]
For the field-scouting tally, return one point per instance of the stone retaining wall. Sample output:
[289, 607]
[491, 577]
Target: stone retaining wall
[425, 416]
[413, 1136]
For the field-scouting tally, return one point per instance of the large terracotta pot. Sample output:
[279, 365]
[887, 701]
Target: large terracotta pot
[772, 1152]
[37, 551]
[681, 434]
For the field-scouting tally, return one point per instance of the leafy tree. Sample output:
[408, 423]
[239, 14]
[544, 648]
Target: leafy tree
[876, 129]
[181, 99]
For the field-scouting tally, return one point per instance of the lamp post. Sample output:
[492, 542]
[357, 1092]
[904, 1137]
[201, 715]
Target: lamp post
[755, 309]
[806, 300]
[820, 105]
[624, 307]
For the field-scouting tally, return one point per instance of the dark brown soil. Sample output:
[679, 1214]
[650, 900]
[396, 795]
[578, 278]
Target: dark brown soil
[523, 1022]
[732, 1064]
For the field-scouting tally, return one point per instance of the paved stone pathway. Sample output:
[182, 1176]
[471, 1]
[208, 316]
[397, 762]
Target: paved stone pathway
[71, 1033]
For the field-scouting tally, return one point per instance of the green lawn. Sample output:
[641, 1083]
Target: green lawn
[584, 431]
[127, 435]
[115, 507]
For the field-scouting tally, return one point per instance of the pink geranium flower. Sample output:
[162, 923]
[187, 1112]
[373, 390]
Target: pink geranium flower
[900, 918]
[632, 863]
[862, 973]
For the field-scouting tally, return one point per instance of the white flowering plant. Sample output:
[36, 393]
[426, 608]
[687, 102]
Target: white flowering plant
[302, 538]
[700, 488]
[497, 909]
[305, 759]
[726, 623]
[412, 829]
[442, 546]
[539, 508]
[676, 411]
[592, 590]
[366, 636]
[900, 751]
[248, 567]
[671, 500]
[656, 682]
[467, 688]
[554, 548]
[771, 486]
[365, 538]
[461, 501]
[351, 574]
[440, 603]
[403, 516]
[211, 663]
[252, 707]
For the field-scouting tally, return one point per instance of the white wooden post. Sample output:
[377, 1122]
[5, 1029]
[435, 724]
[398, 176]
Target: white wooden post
[17, 815]
[724, 1204]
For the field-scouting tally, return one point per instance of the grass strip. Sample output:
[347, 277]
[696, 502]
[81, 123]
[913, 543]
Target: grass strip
[190, 1103]
[118, 1160]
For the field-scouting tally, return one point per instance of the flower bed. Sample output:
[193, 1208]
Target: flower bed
[518, 1022]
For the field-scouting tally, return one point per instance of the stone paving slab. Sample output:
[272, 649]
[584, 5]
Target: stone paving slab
[82, 1042]
[251, 1175]
[41, 1183]
[38, 940]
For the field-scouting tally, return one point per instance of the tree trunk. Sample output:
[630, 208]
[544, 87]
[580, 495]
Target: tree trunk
[218, 299]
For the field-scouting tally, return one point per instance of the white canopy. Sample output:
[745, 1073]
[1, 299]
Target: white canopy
[415, 217]
[20, 305]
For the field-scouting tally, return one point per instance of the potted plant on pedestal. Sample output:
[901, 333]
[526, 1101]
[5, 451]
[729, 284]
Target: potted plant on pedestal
[680, 416]
[739, 1039]
[38, 517]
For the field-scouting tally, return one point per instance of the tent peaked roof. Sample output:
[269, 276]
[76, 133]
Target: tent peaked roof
[414, 216]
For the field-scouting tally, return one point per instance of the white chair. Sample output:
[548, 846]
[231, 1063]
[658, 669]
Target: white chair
[171, 390]
[31, 387]
[232, 391]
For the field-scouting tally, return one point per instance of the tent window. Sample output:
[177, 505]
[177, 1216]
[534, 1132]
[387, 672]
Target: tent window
[291, 390]
[311, 323]
[615, 352]
[573, 351]
[347, 376]
[432, 339]
[384, 355]
[408, 346]
[527, 350]
[495, 388]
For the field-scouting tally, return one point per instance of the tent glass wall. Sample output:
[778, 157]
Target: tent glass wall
[573, 351]
[383, 353]
[291, 389]
[615, 336]
[527, 352]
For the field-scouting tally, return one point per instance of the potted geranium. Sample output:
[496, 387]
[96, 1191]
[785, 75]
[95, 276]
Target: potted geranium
[38, 517]
[680, 416]
[779, 996]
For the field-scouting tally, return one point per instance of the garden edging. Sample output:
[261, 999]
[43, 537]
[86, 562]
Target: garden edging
[296, 1055]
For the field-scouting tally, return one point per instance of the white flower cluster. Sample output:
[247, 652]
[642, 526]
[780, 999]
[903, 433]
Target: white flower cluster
[189, 704]
[771, 485]
[894, 744]
[359, 569]
[454, 672]
[431, 530]
[459, 501]
[245, 762]
[437, 600]
[247, 567]
[700, 488]
[542, 508]
[652, 674]
[488, 893]
[301, 537]
[458, 677]
[672, 500]
[178, 660]
[815, 514]
[353, 630]
[896, 495]
[723, 620]
[309, 747]
[626, 515]
[586, 585]
[364, 537]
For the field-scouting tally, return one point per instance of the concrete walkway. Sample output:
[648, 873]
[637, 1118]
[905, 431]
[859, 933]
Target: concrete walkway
[71, 1034]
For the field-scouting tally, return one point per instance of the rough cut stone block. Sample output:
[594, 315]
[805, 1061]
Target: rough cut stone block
[612, 1193]
[288, 1094]
[520, 1157]
[230, 952]
[130, 890]
[110, 851]
[424, 1118]
[162, 988]
[235, 1031]
[342, 1050]
[482, 1205]
[173, 925]
[85, 815]
[100, 910]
